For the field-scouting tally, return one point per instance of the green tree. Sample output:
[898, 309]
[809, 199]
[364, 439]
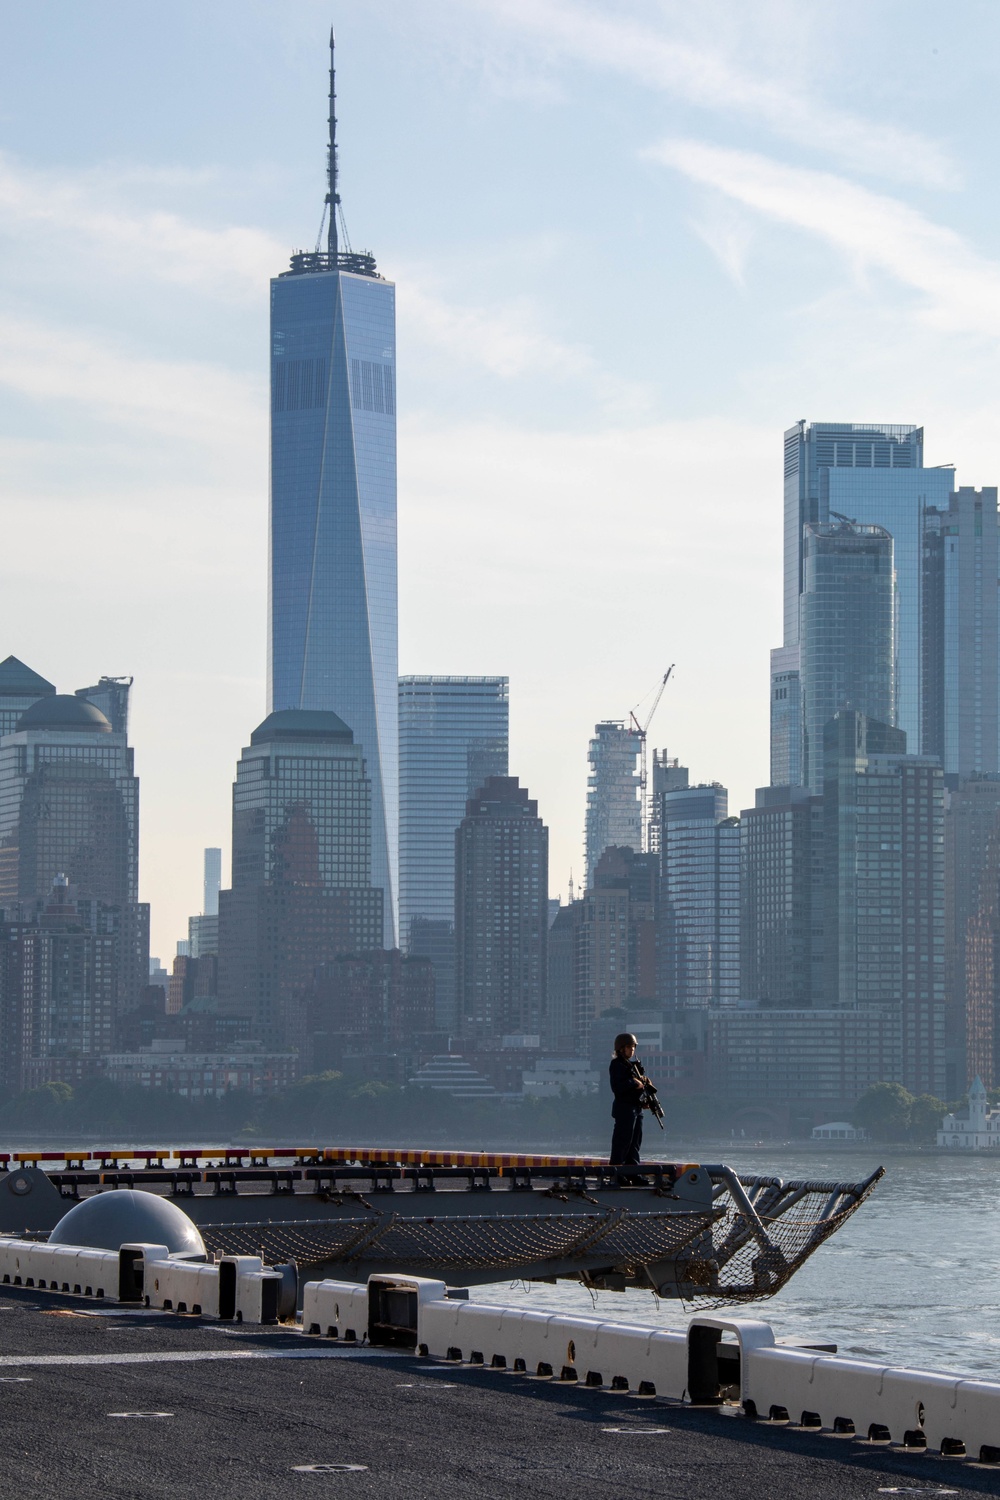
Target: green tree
[926, 1114]
[884, 1111]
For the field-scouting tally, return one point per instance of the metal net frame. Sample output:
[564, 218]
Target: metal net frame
[745, 1247]
[754, 1261]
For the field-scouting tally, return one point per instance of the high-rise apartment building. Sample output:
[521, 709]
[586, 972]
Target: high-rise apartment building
[781, 895]
[69, 807]
[603, 948]
[961, 638]
[333, 595]
[884, 858]
[846, 632]
[614, 815]
[302, 891]
[20, 687]
[501, 913]
[700, 899]
[59, 986]
[971, 824]
[981, 977]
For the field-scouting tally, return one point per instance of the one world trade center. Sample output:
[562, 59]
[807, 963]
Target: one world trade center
[333, 598]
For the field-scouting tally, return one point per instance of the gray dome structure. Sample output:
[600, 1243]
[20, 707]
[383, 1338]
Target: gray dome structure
[64, 711]
[125, 1216]
[302, 724]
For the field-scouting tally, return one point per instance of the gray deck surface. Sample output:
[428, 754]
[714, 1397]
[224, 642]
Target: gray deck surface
[240, 1425]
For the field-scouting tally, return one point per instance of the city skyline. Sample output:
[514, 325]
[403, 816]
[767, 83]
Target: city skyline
[134, 440]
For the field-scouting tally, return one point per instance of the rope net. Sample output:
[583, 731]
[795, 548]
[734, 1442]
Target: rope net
[713, 1255]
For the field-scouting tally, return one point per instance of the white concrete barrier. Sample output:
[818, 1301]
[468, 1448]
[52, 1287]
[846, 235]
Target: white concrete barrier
[588, 1350]
[62, 1268]
[182, 1286]
[238, 1287]
[258, 1292]
[915, 1408]
[335, 1309]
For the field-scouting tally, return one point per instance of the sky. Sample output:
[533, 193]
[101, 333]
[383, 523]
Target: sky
[633, 241]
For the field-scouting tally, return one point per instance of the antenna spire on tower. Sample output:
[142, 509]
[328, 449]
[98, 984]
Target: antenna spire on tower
[332, 197]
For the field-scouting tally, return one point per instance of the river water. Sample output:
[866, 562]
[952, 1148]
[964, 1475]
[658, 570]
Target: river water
[912, 1278]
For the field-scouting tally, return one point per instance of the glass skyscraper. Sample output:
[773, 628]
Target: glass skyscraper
[846, 631]
[700, 899]
[332, 642]
[812, 449]
[900, 501]
[453, 735]
[962, 636]
[945, 555]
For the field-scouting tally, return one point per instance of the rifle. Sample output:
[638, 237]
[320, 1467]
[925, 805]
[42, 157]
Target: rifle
[648, 1100]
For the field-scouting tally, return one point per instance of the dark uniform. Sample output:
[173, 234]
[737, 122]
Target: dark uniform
[626, 1085]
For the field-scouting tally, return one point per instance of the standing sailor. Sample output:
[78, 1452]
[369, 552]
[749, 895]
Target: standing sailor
[628, 1080]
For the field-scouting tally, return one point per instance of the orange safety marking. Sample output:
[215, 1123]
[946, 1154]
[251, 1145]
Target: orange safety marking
[362, 1155]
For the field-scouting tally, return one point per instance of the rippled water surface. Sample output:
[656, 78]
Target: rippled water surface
[913, 1277]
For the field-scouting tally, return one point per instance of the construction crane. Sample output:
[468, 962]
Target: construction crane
[640, 730]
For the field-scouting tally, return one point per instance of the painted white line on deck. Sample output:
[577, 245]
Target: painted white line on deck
[183, 1356]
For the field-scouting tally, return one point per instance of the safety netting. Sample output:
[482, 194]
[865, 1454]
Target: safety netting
[744, 1247]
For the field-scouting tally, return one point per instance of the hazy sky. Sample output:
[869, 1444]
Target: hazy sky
[632, 243]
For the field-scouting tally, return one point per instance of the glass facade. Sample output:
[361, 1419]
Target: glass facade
[453, 735]
[962, 633]
[700, 899]
[614, 816]
[847, 634]
[899, 501]
[333, 595]
[812, 449]
[302, 805]
[947, 561]
[781, 927]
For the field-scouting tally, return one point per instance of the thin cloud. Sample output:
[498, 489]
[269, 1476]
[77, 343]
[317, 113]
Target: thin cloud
[961, 287]
[171, 397]
[506, 341]
[234, 260]
[708, 79]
